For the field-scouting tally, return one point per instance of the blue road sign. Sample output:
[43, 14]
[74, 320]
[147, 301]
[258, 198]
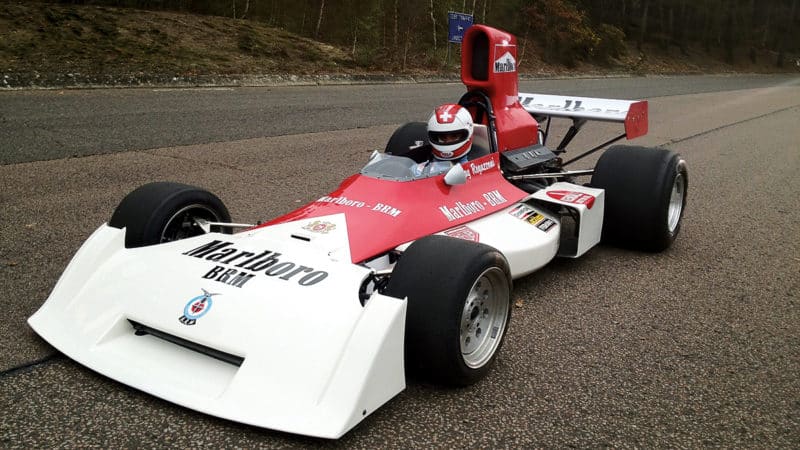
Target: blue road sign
[457, 24]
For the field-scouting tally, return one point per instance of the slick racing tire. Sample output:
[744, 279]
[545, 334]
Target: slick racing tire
[459, 308]
[645, 196]
[163, 212]
[410, 140]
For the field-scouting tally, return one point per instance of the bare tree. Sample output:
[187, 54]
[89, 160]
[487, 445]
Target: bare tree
[643, 33]
[396, 22]
[433, 22]
[319, 20]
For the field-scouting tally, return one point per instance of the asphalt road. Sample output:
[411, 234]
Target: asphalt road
[40, 125]
[695, 347]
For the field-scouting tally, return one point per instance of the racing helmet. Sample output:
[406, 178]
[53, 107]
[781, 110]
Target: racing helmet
[450, 132]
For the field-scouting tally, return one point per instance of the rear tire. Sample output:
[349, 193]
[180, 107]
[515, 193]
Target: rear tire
[459, 308]
[645, 196]
[164, 211]
[411, 141]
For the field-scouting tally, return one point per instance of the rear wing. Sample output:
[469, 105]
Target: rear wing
[633, 114]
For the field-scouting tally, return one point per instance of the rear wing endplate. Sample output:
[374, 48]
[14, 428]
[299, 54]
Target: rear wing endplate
[633, 114]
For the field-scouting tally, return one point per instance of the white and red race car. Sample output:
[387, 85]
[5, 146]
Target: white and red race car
[311, 321]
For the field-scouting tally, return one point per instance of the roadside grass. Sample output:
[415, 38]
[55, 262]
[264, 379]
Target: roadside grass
[48, 38]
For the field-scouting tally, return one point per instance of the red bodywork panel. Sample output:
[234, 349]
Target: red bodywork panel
[489, 64]
[636, 121]
[382, 214]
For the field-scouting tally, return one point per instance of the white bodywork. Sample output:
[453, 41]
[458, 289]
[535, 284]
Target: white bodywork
[313, 360]
[590, 213]
[631, 113]
[591, 108]
[525, 247]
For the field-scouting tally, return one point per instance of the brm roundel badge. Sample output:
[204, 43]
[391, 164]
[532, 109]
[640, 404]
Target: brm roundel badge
[319, 226]
[196, 308]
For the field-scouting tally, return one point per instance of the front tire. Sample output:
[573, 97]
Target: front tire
[645, 196]
[164, 211]
[458, 311]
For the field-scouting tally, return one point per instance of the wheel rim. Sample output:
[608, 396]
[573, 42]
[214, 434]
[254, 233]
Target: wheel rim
[182, 224]
[676, 203]
[483, 320]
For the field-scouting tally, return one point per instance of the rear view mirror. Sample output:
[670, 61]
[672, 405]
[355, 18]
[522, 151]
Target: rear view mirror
[456, 175]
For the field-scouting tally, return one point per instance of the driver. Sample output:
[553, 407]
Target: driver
[450, 130]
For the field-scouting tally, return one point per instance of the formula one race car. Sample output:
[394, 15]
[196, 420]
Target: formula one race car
[310, 322]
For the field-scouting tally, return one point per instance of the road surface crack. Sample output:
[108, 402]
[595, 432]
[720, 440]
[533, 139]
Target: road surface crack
[722, 127]
[35, 364]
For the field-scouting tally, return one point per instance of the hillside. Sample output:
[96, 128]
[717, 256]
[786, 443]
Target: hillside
[45, 44]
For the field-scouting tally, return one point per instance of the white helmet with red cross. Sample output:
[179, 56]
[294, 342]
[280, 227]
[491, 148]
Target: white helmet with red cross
[450, 131]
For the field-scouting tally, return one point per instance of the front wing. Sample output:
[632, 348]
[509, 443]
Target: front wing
[303, 359]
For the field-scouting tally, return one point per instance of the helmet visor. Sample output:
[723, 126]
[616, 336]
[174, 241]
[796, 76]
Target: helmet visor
[448, 137]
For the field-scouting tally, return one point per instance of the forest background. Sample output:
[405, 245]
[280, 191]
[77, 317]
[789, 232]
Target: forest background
[103, 38]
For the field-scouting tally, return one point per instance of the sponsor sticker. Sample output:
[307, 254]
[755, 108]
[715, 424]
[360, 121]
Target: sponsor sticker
[533, 217]
[463, 232]
[576, 198]
[343, 201]
[477, 169]
[546, 225]
[196, 308]
[494, 198]
[378, 207]
[235, 267]
[459, 210]
[569, 105]
[387, 209]
[505, 63]
[522, 211]
[319, 226]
